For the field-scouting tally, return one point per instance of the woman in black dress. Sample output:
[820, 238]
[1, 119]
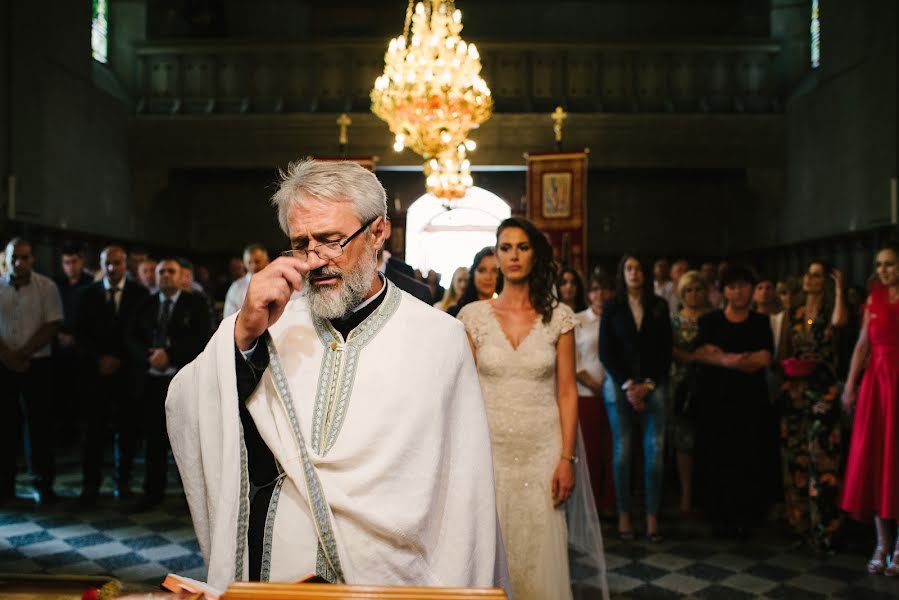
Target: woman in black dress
[734, 345]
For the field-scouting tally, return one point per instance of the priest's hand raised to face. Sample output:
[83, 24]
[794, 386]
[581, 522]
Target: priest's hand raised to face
[267, 295]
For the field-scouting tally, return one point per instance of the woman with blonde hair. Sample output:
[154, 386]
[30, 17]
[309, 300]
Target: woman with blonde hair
[455, 290]
[692, 289]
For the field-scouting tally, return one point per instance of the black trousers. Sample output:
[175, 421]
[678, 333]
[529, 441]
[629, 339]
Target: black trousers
[155, 390]
[71, 385]
[112, 414]
[27, 396]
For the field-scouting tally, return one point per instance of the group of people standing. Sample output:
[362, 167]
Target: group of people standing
[743, 393]
[107, 348]
[570, 377]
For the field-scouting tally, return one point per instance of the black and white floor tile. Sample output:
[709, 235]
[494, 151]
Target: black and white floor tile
[141, 548]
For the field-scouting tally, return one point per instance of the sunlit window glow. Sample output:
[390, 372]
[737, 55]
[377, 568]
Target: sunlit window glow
[442, 239]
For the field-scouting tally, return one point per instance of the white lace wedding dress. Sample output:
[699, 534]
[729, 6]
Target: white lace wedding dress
[519, 387]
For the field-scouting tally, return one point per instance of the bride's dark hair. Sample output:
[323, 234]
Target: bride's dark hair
[543, 275]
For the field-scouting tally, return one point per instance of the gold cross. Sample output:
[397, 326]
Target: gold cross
[558, 118]
[343, 121]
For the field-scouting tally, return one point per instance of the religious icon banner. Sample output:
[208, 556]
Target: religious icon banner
[557, 203]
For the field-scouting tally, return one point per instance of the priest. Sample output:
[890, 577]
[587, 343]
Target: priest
[335, 424]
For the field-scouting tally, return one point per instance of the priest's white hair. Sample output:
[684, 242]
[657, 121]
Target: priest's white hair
[342, 181]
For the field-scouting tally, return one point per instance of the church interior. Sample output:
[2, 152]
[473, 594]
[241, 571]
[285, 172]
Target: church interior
[758, 131]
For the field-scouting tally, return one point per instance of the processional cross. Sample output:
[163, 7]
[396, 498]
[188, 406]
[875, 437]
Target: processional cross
[343, 121]
[558, 118]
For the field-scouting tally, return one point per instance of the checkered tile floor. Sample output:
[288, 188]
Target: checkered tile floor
[142, 548]
[694, 565]
[63, 538]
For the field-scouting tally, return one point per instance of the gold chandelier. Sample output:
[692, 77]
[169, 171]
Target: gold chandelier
[432, 95]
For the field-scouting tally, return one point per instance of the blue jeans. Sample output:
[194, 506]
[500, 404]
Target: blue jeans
[622, 418]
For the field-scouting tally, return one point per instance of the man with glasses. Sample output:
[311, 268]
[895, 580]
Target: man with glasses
[354, 444]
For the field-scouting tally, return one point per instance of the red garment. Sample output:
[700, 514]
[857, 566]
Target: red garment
[871, 484]
[598, 449]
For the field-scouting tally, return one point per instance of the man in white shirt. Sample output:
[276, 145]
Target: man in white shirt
[30, 315]
[255, 258]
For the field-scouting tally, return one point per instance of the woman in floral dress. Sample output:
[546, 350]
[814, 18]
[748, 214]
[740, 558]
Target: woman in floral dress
[811, 442]
[692, 289]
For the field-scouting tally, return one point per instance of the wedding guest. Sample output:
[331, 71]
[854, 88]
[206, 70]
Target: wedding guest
[30, 315]
[592, 415]
[571, 290]
[678, 268]
[734, 346]
[433, 282]
[69, 378]
[811, 442]
[764, 299]
[635, 349]
[113, 415]
[692, 289]
[483, 281]
[661, 278]
[455, 290]
[871, 487]
[525, 353]
[789, 295]
[146, 275]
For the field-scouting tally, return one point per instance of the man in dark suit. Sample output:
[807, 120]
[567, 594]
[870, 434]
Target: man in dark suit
[104, 309]
[401, 274]
[70, 381]
[170, 329]
[398, 277]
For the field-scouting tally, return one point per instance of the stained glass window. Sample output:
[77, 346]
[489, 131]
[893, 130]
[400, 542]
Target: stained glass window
[99, 30]
[815, 31]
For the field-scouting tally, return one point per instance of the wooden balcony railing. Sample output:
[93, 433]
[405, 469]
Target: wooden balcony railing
[266, 78]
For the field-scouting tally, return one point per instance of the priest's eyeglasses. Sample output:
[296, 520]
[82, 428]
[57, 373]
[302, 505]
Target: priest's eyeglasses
[331, 249]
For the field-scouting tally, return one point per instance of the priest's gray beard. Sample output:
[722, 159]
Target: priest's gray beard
[334, 301]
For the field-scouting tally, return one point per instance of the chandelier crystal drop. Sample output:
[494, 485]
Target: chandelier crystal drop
[431, 94]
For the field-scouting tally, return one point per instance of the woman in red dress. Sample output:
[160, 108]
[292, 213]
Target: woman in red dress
[872, 474]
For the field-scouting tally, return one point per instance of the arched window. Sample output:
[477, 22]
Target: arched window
[442, 236]
[815, 31]
[99, 30]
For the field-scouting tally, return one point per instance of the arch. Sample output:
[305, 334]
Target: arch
[443, 235]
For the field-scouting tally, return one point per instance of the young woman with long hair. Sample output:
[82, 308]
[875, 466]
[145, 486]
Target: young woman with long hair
[571, 290]
[635, 348]
[524, 348]
[483, 280]
[811, 442]
[454, 292]
[872, 472]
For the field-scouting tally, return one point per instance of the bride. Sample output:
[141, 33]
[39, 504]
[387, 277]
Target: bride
[524, 348]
